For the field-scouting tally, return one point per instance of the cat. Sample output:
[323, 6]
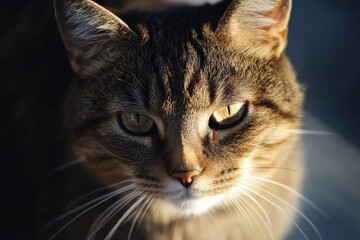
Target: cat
[187, 114]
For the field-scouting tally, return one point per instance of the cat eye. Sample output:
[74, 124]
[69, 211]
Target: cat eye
[228, 116]
[136, 124]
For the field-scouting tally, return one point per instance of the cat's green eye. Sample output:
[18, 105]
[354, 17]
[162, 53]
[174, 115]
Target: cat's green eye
[136, 124]
[228, 116]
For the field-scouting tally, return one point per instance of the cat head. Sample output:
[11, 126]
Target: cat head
[185, 105]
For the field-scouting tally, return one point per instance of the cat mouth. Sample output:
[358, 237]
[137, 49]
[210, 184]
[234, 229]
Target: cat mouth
[187, 194]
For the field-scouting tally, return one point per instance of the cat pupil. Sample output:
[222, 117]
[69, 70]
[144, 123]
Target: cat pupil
[137, 117]
[229, 110]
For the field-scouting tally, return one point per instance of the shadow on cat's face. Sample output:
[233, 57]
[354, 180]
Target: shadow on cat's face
[178, 106]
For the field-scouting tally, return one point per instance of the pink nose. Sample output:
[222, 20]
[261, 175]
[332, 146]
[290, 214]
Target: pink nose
[185, 177]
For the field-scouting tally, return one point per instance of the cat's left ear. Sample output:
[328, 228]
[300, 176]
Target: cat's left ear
[91, 34]
[257, 26]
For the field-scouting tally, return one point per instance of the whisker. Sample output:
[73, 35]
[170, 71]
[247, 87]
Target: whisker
[311, 132]
[96, 202]
[137, 216]
[147, 208]
[302, 197]
[99, 190]
[277, 168]
[111, 195]
[280, 209]
[261, 207]
[123, 218]
[255, 219]
[228, 207]
[295, 209]
[109, 213]
[62, 167]
[258, 214]
[132, 214]
[239, 208]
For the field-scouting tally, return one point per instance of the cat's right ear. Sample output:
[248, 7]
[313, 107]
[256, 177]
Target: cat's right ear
[90, 33]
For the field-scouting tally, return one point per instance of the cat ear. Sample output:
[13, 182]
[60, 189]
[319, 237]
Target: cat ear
[90, 32]
[257, 26]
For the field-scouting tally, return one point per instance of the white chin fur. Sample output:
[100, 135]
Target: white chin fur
[196, 206]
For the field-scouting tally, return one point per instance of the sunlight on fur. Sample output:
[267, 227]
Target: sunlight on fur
[189, 117]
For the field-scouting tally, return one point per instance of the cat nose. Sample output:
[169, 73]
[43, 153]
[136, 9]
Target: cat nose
[185, 177]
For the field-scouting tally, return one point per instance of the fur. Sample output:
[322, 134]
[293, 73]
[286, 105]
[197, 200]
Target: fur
[178, 66]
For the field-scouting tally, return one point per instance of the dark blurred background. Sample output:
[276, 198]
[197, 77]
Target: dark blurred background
[324, 45]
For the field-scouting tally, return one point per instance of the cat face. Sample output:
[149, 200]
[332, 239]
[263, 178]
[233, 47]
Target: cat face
[184, 106]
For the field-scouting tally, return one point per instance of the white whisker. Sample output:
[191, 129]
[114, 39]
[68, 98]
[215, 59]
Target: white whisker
[99, 190]
[94, 201]
[110, 195]
[255, 219]
[299, 212]
[147, 208]
[239, 209]
[279, 208]
[274, 167]
[137, 216]
[296, 210]
[261, 207]
[302, 197]
[123, 218]
[109, 213]
[62, 167]
[258, 214]
[311, 132]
